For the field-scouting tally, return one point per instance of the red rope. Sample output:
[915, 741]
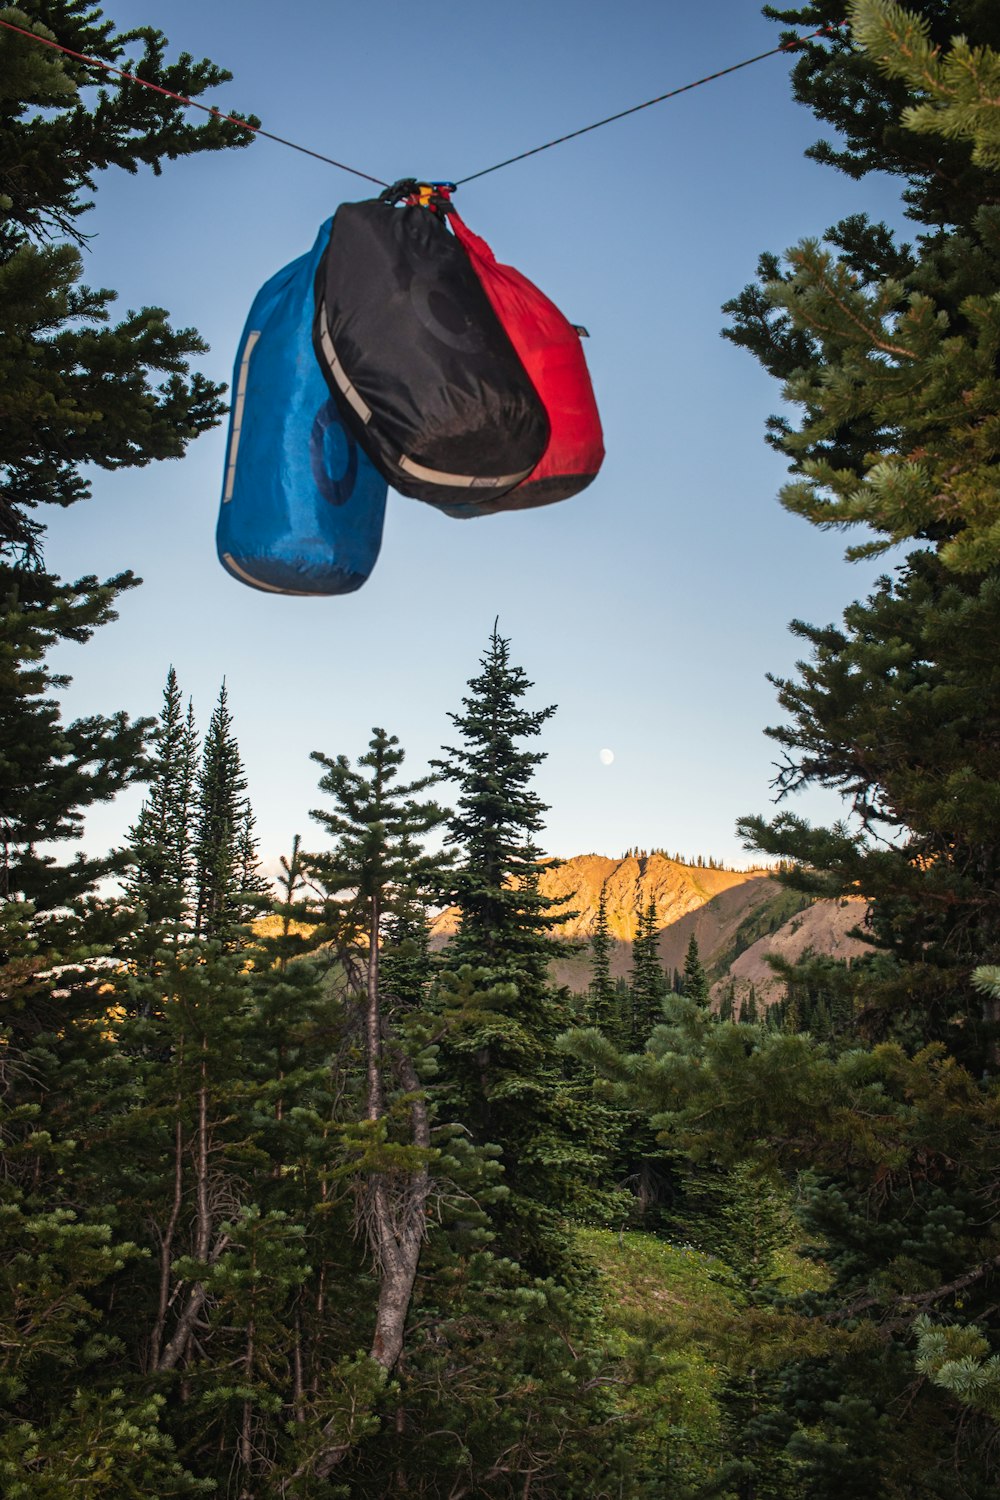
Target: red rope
[95, 62]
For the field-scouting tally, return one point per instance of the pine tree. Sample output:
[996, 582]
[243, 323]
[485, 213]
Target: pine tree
[647, 982]
[505, 1082]
[638, 1164]
[856, 465]
[891, 438]
[253, 884]
[294, 907]
[159, 882]
[50, 772]
[81, 391]
[407, 965]
[695, 985]
[226, 878]
[602, 1008]
[847, 88]
[506, 924]
[376, 865]
[888, 355]
[62, 123]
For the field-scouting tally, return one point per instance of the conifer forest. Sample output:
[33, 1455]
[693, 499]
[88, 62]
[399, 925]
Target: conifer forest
[294, 1201]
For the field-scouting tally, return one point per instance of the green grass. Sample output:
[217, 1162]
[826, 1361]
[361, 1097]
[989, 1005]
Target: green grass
[671, 1314]
[659, 1303]
[649, 1279]
[795, 1274]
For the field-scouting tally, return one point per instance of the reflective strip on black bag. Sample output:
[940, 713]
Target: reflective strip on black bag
[408, 465]
[460, 481]
[351, 394]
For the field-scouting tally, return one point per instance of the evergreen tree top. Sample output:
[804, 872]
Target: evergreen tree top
[159, 843]
[50, 772]
[961, 87]
[847, 87]
[378, 825]
[55, 134]
[696, 985]
[889, 355]
[79, 389]
[506, 921]
[493, 770]
[227, 881]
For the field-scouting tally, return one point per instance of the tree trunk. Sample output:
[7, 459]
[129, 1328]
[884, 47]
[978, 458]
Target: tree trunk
[189, 1317]
[297, 1380]
[203, 1223]
[401, 1233]
[202, 1228]
[246, 1426]
[166, 1247]
[373, 1021]
[185, 1327]
[399, 1209]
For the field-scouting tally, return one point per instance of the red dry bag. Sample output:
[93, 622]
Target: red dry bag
[549, 348]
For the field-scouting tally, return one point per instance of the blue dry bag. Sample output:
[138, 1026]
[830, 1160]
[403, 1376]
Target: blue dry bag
[302, 506]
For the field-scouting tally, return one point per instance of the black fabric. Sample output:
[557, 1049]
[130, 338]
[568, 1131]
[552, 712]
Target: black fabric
[419, 341]
[527, 496]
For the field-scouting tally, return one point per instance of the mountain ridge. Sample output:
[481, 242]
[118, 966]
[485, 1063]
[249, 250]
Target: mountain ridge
[737, 917]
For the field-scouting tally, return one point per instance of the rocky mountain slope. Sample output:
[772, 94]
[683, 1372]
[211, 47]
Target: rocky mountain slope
[736, 916]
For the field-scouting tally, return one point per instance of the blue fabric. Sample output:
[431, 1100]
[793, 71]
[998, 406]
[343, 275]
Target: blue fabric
[302, 506]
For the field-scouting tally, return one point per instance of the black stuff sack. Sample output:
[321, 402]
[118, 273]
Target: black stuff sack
[420, 366]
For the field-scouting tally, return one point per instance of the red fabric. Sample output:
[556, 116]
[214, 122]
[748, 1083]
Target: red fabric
[549, 348]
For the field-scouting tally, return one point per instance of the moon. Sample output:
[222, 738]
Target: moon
[606, 757]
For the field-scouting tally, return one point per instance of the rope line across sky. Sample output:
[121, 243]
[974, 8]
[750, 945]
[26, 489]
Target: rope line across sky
[789, 46]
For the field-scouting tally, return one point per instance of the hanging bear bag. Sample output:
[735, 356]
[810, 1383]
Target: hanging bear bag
[422, 370]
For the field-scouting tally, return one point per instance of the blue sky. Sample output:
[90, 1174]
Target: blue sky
[650, 607]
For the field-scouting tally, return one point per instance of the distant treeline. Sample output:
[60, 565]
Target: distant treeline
[699, 861]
